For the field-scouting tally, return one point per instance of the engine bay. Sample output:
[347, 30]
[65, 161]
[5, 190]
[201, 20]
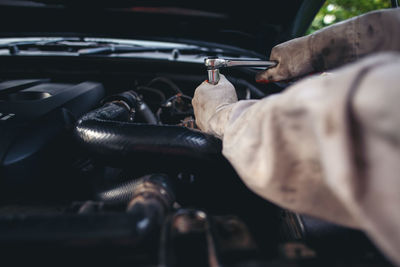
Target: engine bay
[101, 162]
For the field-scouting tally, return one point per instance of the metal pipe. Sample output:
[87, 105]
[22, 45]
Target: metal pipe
[187, 240]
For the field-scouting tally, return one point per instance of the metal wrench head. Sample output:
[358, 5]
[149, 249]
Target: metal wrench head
[213, 64]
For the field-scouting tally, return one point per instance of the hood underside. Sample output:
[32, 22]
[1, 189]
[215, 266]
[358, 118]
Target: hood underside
[251, 25]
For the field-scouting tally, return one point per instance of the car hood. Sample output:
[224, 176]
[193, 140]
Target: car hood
[251, 25]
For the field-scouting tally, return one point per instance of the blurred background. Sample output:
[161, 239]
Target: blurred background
[334, 11]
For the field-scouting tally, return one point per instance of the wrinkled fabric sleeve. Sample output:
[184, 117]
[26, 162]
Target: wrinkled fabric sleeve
[329, 146]
[335, 45]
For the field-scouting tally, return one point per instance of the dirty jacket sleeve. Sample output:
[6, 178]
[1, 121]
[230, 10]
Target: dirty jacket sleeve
[335, 45]
[328, 146]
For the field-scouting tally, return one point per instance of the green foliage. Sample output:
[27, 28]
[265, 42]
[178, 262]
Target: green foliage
[334, 11]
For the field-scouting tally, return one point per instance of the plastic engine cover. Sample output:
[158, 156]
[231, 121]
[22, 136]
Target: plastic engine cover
[35, 145]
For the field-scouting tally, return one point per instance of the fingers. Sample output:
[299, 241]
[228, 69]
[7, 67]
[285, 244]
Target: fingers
[208, 97]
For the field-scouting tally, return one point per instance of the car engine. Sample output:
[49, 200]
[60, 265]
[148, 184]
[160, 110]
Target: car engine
[101, 162]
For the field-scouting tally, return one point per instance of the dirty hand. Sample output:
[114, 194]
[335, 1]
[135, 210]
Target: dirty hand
[211, 99]
[335, 45]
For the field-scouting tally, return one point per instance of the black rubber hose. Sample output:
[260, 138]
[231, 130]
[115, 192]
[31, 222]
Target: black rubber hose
[107, 133]
[135, 105]
[148, 115]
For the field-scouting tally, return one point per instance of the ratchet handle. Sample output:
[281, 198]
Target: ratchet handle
[250, 63]
[213, 65]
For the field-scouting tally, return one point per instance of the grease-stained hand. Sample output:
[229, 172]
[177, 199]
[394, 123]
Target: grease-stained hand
[209, 99]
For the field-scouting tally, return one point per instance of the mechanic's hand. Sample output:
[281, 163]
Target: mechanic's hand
[211, 99]
[335, 45]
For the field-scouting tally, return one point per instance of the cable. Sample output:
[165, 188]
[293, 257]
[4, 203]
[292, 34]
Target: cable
[167, 81]
[154, 91]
